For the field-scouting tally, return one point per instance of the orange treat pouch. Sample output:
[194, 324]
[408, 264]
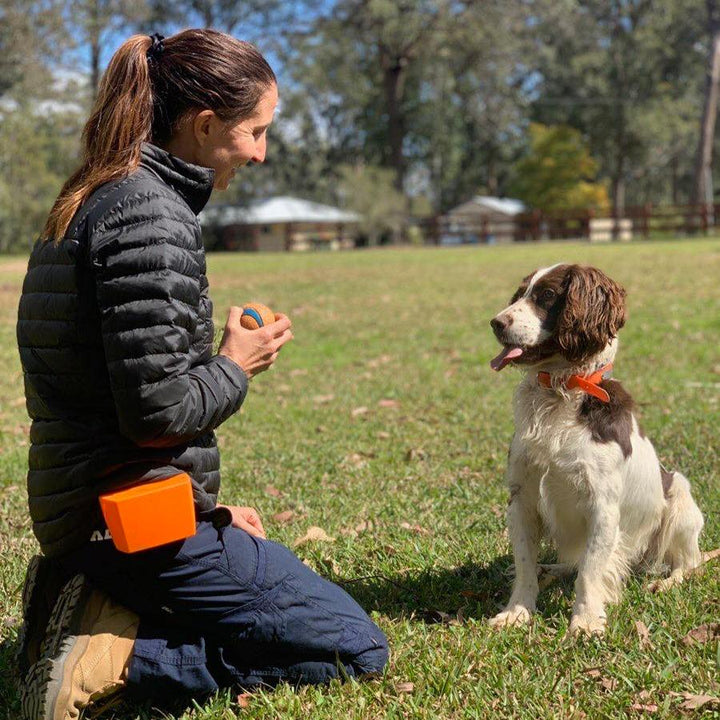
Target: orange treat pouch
[149, 515]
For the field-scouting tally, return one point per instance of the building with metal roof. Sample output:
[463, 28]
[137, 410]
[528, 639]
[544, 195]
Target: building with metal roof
[482, 219]
[279, 223]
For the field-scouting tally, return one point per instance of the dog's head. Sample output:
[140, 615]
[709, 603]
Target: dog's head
[565, 311]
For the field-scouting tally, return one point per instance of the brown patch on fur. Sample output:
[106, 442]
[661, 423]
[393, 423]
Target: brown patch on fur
[594, 312]
[548, 296]
[611, 421]
[522, 288]
[667, 479]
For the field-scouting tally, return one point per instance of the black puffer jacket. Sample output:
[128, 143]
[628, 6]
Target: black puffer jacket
[115, 334]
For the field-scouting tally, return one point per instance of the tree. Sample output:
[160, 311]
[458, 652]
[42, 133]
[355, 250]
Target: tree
[604, 66]
[97, 21]
[702, 181]
[32, 35]
[37, 153]
[370, 192]
[558, 173]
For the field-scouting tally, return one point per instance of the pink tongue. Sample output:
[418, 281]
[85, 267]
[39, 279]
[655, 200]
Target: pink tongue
[507, 354]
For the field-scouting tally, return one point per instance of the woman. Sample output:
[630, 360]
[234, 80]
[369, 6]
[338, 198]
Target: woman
[115, 334]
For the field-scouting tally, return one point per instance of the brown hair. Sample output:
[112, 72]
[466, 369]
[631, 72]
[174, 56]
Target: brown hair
[143, 99]
[593, 314]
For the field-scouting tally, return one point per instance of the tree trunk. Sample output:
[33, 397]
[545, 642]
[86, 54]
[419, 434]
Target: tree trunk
[674, 180]
[94, 38]
[394, 70]
[492, 176]
[701, 193]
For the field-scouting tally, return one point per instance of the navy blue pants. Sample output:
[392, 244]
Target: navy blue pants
[224, 608]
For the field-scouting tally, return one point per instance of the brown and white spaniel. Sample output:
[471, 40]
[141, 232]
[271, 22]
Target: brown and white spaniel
[579, 465]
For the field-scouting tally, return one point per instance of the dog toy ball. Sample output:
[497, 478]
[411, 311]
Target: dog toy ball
[255, 315]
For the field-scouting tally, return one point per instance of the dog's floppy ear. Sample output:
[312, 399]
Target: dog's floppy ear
[594, 312]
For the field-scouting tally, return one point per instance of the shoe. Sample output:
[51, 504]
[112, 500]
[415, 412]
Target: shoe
[85, 655]
[43, 582]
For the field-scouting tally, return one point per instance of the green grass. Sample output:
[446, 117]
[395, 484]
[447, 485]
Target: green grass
[413, 493]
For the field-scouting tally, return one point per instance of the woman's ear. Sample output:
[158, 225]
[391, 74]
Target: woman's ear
[203, 126]
[593, 314]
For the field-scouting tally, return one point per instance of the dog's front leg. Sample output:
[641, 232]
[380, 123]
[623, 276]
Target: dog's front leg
[524, 527]
[600, 571]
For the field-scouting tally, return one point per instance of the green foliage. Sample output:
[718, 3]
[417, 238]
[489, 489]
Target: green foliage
[558, 171]
[629, 75]
[369, 191]
[37, 153]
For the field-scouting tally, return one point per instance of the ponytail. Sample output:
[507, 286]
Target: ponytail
[120, 122]
[149, 87]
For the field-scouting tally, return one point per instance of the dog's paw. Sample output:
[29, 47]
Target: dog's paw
[663, 584]
[515, 615]
[587, 624]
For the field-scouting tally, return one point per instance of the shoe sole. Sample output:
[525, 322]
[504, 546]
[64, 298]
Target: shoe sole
[40, 696]
[26, 655]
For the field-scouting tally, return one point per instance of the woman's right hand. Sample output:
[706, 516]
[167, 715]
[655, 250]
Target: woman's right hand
[254, 350]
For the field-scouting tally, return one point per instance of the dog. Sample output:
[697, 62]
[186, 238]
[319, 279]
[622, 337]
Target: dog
[579, 465]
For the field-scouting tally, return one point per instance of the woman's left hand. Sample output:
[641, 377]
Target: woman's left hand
[247, 519]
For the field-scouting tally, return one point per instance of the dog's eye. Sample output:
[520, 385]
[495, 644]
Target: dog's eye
[547, 295]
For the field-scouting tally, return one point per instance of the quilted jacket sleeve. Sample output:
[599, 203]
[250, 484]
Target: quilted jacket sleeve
[149, 268]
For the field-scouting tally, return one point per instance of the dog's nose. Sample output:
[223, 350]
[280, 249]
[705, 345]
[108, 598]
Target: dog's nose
[500, 324]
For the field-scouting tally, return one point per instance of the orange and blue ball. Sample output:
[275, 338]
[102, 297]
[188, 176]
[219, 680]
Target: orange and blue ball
[256, 315]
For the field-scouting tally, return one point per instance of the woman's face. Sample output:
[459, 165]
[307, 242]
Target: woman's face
[227, 148]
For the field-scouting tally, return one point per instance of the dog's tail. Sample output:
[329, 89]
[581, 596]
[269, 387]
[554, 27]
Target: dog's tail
[676, 541]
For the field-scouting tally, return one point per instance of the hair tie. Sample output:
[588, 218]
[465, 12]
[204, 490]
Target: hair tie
[157, 47]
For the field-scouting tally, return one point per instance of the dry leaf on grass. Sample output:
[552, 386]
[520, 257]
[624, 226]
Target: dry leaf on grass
[378, 361]
[382, 435]
[415, 454]
[405, 687]
[243, 700]
[284, 517]
[694, 702]
[358, 459]
[273, 491]
[419, 529]
[644, 707]
[643, 634]
[359, 528]
[702, 634]
[608, 684]
[313, 534]
[323, 399]
[388, 403]
[358, 411]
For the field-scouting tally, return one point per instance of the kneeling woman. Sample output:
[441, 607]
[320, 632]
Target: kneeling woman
[115, 334]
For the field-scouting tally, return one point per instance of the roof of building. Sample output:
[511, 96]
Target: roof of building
[274, 210]
[506, 206]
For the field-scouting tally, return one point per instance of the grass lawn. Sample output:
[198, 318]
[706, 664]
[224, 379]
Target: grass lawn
[383, 425]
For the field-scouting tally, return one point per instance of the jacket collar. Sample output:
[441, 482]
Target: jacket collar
[192, 182]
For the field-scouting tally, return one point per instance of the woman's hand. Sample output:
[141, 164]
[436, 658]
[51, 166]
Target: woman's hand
[247, 519]
[254, 350]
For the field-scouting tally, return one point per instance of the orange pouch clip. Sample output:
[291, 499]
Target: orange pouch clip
[149, 515]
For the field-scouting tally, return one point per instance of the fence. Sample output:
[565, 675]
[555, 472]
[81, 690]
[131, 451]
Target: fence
[643, 221]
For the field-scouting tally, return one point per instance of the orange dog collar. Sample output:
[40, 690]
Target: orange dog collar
[587, 383]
